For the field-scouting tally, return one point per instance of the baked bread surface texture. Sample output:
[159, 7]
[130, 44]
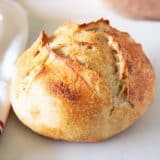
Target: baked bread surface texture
[86, 82]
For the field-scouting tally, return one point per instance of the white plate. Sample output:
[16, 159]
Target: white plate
[141, 141]
[13, 38]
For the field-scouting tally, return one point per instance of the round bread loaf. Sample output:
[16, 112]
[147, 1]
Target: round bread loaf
[86, 82]
[140, 9]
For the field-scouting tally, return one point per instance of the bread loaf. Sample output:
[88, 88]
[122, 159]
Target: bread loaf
[86, 82]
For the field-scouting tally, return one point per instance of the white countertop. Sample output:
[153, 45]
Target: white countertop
[141, 141]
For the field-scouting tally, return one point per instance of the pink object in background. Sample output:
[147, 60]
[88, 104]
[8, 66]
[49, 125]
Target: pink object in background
[139, 9]
[1, 126]
[4, 103]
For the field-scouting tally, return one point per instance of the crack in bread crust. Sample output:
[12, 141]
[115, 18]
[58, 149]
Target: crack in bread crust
[113, 68]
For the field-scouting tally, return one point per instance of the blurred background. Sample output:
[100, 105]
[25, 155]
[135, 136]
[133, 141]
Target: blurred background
[49, 14]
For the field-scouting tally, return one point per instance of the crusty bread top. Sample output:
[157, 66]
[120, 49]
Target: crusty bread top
[89, 64]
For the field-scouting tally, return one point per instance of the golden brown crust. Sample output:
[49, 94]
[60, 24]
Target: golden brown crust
[136, 63]
[139, 72]
[83, 83]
